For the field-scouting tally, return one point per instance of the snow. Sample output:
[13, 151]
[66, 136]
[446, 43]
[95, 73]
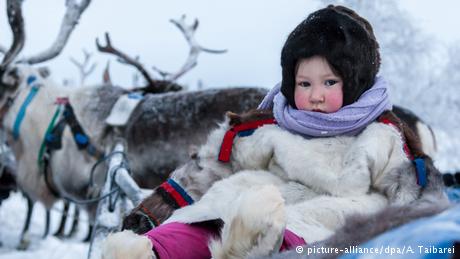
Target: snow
[446, 158]
[12, 217]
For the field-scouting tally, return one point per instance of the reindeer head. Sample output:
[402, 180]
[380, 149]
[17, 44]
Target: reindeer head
[14, 72]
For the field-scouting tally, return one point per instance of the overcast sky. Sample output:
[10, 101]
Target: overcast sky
[253, 32]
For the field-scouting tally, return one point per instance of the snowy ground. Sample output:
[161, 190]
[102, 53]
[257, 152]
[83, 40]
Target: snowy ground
[12, 215]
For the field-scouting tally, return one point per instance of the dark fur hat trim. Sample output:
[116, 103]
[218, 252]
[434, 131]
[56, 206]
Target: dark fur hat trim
[344, 39]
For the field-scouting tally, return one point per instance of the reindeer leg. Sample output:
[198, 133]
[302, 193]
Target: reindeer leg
[74, 228]
[47, 224]
[61, 228]
[25, 241]
[90, 232]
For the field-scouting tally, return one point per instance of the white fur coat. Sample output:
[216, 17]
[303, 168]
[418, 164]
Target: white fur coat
[306, 185]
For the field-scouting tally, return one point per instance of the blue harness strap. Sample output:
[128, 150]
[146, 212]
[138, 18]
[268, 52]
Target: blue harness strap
[22, 111]
[421, 171]
[181, 191]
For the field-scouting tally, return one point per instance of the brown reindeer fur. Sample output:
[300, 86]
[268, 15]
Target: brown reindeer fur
[412, 140]
[164, 127]
[251, 115]
[157, 207]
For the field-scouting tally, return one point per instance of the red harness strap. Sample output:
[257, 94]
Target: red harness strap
[174, 194]
[405, 147]
[145, 210]
[227, 143]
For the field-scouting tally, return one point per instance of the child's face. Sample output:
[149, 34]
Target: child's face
[317, 88]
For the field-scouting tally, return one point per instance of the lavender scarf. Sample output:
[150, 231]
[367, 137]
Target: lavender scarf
[349, 120]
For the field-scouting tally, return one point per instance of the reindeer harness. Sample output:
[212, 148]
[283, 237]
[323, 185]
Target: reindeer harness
[173, 194]
[53, 138]
[34, 87]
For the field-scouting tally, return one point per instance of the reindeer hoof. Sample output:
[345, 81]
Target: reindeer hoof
[23, 245]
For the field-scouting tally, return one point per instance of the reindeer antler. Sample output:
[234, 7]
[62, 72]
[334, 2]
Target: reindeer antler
[69, 22]
[123, 58]
[82, 67]
[17, 27]
[189, 33]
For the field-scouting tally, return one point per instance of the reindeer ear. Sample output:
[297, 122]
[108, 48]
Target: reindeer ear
[235, 119]
[410, 137]
[252, 115]
[413, 141]
[392, 117]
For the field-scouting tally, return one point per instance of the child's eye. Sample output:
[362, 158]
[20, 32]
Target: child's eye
[330, 82]
[304, 84]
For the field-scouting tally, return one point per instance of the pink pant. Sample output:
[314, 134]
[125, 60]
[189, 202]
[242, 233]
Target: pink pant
[178, 240]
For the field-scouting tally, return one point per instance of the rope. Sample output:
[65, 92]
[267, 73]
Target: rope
[93, 168]
[113, 189]
[87, 201]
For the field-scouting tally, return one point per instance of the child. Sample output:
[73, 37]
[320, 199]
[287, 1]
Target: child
[326, 159]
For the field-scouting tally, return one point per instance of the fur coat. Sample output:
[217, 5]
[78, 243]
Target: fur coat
[306, 185]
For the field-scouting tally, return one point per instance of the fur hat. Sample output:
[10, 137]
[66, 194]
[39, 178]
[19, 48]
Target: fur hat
[344, 39]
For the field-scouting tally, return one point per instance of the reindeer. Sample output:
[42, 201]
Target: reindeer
[160, 124]
[28, 177]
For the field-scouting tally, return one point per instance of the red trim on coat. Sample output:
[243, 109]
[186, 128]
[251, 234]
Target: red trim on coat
[227, 142]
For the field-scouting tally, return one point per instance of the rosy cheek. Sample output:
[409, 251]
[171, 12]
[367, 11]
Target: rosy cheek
[301, 100]
[335, 101]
